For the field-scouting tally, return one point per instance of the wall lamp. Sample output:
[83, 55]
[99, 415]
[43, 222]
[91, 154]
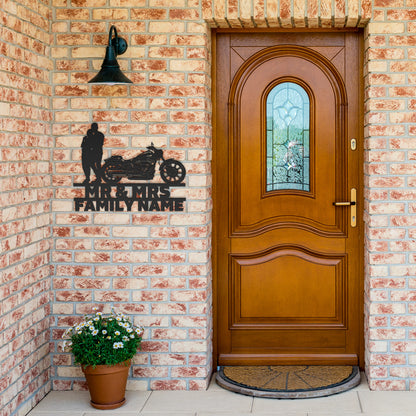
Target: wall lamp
[110, 72]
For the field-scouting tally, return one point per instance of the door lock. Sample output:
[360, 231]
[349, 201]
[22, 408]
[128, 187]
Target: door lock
[352, 204]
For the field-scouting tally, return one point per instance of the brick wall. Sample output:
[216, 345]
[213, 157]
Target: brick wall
[390, 75]
[153, 266]
[25, 180]
[156, 266]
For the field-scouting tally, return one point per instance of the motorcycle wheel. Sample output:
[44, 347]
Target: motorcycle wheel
[108, 173]
[172, 171]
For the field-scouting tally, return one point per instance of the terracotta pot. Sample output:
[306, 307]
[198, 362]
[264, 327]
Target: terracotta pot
[107, 384]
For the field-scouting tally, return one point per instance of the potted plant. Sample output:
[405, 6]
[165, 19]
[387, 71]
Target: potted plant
[104, 346]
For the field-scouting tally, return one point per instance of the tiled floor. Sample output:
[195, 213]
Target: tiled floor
[219, 402]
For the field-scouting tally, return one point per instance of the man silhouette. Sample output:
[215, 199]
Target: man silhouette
[92, 153]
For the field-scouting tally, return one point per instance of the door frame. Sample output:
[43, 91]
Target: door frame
[215, 175]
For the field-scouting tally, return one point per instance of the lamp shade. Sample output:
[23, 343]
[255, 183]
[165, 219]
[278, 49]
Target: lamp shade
[110, 72]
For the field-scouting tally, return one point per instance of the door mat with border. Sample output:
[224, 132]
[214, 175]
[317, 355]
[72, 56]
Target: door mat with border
[288, 381]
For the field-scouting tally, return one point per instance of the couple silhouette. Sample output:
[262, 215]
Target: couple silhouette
[92, 153]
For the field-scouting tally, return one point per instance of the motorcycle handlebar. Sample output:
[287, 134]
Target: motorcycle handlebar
[158, 152]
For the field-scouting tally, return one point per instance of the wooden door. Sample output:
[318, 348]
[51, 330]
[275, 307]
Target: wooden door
[287, 147]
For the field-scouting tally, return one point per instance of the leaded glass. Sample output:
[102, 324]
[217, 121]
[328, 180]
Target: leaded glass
[287, 125]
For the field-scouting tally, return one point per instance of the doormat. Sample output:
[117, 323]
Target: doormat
[288, 381]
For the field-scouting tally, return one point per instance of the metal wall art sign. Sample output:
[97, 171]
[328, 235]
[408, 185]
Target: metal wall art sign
[112, 195]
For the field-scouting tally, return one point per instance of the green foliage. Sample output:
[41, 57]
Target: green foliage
[101, 339]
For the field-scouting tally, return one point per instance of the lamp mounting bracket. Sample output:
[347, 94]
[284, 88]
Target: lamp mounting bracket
[119, 44]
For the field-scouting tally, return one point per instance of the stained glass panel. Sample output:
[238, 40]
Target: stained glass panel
[288, 113]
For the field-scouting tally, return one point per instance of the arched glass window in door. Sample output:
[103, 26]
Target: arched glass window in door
[288, 115]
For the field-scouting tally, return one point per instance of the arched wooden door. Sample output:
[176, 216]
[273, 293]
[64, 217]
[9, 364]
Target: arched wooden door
[288, 199]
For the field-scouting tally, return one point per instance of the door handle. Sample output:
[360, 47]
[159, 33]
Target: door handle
[343, 204]
[352, 204]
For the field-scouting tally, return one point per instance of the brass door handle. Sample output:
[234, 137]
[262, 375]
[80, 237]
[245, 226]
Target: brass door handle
[343, 204]
[352, 204]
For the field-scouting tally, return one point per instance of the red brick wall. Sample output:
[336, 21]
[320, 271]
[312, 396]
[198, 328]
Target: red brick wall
[25, 208]
[390, 195]
[156, 266]
[153, 266]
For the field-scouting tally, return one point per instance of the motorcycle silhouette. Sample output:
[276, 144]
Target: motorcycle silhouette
[143, 167]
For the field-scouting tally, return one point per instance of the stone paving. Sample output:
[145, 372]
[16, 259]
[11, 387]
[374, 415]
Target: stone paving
[219, 402]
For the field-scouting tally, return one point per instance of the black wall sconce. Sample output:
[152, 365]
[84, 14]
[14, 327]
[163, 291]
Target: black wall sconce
[110, 72]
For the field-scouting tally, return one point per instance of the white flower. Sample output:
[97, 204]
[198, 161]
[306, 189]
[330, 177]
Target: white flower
[95, 332]
[139, 331]
[104, 331]
[91, 328]
[117, 345]
[99, 313]
[129, 330]
[96, 319]
[109, 337]
[66, 333]
[117, 333]
[79, 332]
[118, 318]
[125, 338]
[132, 336]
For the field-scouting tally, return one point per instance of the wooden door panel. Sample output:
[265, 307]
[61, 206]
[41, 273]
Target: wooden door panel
[285, 286]
[289, 294]
[298, 236]
[287, 261]
[259, 211]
